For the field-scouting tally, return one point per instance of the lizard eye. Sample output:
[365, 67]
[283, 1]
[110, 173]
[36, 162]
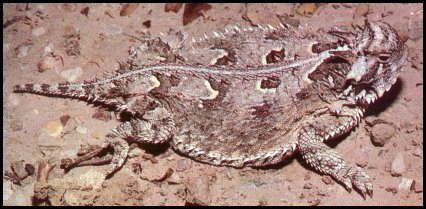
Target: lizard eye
[384, 58]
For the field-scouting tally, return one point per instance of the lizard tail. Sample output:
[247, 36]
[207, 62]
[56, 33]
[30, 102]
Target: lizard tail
[80, 91]
[85, 91]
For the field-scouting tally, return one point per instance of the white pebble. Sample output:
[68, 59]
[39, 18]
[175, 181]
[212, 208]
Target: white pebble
[398, 165]
[71, 74]
[23, 50]
[93, 177]
[48, 48]
[38, 31]
[41, 8]
[405, 183]
[81, 129]
[112, 29]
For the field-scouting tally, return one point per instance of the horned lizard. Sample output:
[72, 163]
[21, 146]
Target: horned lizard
[246, 96]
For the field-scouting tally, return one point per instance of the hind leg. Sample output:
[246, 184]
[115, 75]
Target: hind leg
[90, 156]
[156, 130]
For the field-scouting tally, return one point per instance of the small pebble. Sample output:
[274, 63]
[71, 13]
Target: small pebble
[405, 183]
[287, 20]
[41, 8]
[407, 99]
[347, 5]
[394, 190]
[112, 29]
[22, 50]
[36, 32]
[174, 179]
[53, 128]
[48, 48]
[174, 7]
[29, 169]
[68, 7]
[361, 10]
[307, 177]
[85, 11]
[418, 187]
[18, 168]
[307, 9]
[16, 125]
[128, 9]
[263, 201]
[335, 6]
[307, 186]
[147, 23]
[381, 133]
[64, 119]
[81, 129]
[95, 135]
[398, 165]
[228, 175]
[313, 201]
[46, 63]
[362, 162]
[408, 127]
[257, 19]
[418, 152]
[72, 74]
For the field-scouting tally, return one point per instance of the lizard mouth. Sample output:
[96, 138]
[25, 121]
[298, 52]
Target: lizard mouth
[373, 94]
[365, 93]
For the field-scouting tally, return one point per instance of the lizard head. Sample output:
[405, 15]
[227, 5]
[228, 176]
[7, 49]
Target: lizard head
[380, 57]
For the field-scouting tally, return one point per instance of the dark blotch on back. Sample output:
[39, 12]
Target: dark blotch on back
[320, 47]
[275, 56]
[29, 86]
[263, 111]
[44, 87]
[63, 88]
[270, 82]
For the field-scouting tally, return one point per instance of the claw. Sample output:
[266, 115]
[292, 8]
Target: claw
[362, 183]
[370, 193]
[348, 185]
[366, 191]
[363, 191]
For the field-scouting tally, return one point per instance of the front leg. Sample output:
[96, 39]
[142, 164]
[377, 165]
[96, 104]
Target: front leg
[323, 159]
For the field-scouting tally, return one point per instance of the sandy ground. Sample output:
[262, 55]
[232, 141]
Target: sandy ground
[46, 43]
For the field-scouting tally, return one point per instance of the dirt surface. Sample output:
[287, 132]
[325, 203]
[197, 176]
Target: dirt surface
[49, 43]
